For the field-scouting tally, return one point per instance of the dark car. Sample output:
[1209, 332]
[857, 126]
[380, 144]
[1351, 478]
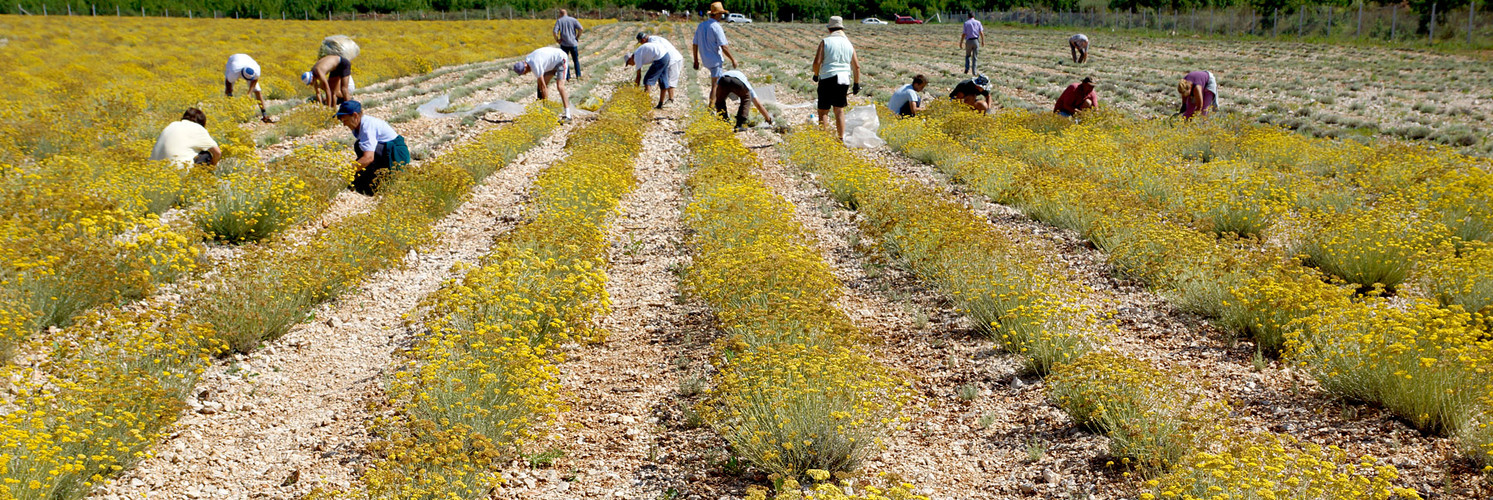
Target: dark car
[907, 20]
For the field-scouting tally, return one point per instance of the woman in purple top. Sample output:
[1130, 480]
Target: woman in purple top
[1199, 93]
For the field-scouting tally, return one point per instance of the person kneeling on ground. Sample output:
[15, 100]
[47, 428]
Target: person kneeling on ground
[547, 63]
[658, 59]
[1076, 97]
[734, 83]
[1078, 47]
[186, 142]
[377, 145]
[970, 91]
[907, 101]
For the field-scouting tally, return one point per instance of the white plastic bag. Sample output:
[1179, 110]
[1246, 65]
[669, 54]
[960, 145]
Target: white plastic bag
[338, 45]
[861, 125]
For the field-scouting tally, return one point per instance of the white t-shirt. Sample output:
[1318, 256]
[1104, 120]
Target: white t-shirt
[737, 74]
[372, 132]
[545, 59]
[649, 52]
[1079, 38]
[673, 51]
[235, 69]
[181, 141]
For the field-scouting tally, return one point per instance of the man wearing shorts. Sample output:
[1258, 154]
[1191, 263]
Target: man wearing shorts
[970, 39]
[332, 75]
[676, 62]
[656, 57]
[547, 63]
[838, 73]
[734, 83]
[710, 43]
[1078, 45]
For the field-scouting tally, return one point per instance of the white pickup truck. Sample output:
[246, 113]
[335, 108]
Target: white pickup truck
[737, 18]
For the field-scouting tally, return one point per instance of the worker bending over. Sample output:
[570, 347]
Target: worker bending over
[907, 100]
[710, 43]
[186, 142]
[1199, 91]
[331, 78]
[547, 63]
[970, 91]
[241, 66]
[1078, 47]
[838, 73]
[734, 83]
[377, 146]
[659, 59]
[1077, 97]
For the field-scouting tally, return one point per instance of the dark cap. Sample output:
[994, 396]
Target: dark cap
[349, 107]
[1088, 79]
[642, 36]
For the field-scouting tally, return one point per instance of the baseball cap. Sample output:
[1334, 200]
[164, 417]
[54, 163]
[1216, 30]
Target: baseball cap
[306, 78]
[518, 67]
[642, 36]
[249, 74]
[349, 107]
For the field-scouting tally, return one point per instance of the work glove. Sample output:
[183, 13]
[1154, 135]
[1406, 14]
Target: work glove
[856, 88]
[815, 78]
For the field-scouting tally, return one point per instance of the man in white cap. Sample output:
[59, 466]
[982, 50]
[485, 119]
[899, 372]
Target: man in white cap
[838, 73]
[664, 65]
[243, 66]
[332, 75]
[710, 43]
[547, 63]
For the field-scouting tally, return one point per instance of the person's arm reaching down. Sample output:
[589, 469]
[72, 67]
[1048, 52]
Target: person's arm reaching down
[758, 104]
[365, 160]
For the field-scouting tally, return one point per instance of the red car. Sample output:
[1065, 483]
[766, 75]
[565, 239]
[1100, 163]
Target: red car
[907, 20]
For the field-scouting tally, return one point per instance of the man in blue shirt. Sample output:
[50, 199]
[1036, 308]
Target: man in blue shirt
[906, 101]
[710, 42]
[378, 146]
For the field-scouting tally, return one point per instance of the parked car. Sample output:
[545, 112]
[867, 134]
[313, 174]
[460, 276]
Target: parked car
[872, 20]
[908, 20]
[738, 18]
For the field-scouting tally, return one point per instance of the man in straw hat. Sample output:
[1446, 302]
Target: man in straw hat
[710, 43]
[838, 73]
[547, 63]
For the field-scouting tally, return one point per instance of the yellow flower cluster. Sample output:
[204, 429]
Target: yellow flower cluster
[796, 391]
[485, 371]
[1252, 466]
[884, 487]
[1363, 214]
[1148, 416]
[254, 202]
[118, 379]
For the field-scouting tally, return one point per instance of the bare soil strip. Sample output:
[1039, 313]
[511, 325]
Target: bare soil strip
[292, 416]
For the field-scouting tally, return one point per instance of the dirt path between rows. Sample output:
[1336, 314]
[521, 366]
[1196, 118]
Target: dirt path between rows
[277, 422]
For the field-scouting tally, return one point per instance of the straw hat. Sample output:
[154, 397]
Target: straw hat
[836, 22]
[717, 8]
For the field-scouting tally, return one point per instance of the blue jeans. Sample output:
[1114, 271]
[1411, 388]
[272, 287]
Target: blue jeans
[971, 54]
[575, 59]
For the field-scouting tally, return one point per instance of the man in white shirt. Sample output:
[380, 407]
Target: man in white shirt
[186, 142]
[1078, 46]
[906, 101]
[547, 63]
[243, 66]
[676, 64]
[657, 58]
[377, 146]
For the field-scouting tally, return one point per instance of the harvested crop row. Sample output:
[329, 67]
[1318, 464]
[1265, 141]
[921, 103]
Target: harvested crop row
[1423, 358]
[1157, 420]
[484, 374]
[796, 394]
[100, 401]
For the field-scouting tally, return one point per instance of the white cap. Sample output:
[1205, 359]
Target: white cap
[306, 78]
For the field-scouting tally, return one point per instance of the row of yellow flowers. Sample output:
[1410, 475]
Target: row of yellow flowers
[796, 394]
[113, 380]
[1156, 419]
[1425, 358]
[483, 374]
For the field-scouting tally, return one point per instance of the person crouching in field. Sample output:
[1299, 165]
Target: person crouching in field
[241, 66]
[377, 146]
[907, 101]
[547, 63]
[1199, 92]
[1078, 47]
[1077, 97]
[331, 78]
[838, 73]
[186, 142]
[658, 59]
[734, 83]
[970, 91]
